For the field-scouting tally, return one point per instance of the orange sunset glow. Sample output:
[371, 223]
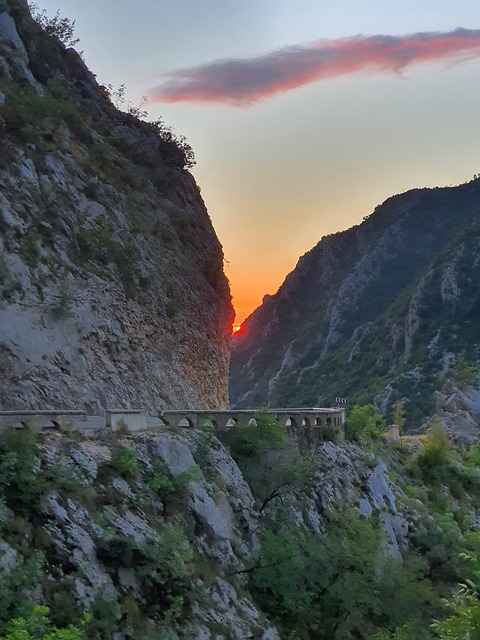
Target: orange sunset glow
[302, 121]
[250, 285]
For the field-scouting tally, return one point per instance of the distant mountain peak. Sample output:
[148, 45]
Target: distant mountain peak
[371, 313]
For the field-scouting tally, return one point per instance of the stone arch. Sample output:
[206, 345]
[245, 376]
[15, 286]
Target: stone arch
[184, 422]
[164, 422]
[291, 422]
[252, 422]
[318, 421]
[306, 422]
[329, 422]
[51, 424]
[231, 422]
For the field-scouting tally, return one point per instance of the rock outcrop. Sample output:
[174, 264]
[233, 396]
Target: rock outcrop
[386, 311]
[112, 291]
[125, 534]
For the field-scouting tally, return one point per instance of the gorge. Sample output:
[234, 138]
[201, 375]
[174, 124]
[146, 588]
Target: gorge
[113, 296]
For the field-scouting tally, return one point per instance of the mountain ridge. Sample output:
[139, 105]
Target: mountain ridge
[360, 292]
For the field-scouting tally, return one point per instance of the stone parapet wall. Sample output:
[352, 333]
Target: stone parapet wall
[308, 426]
[64, 420]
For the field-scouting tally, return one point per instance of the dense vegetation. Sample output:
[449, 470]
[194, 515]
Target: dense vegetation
[331, 580]
[337, 584]
[164, 561]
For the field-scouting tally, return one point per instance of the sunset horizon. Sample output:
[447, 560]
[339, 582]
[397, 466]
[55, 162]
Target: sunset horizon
[302, 122]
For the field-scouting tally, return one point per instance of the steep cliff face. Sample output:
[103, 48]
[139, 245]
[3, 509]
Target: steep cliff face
[112, 289]
[385, 311]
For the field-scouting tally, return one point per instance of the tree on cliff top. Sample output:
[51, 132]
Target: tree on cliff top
[61, 28]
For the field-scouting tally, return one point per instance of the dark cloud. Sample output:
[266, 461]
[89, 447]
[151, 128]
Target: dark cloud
[243, 82]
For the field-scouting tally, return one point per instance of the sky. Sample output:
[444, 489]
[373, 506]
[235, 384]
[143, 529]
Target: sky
[303, 116]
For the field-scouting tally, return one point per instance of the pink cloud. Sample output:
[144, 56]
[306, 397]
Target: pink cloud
[243, 82]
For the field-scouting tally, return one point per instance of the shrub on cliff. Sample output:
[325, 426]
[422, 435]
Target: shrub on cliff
[269, 459]
[21, 484]
[37, 626]
[318, 586]
[432, 461]
[263, 433]
[364, 423]
[58, 26]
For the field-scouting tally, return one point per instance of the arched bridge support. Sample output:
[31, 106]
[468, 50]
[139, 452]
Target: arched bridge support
[314, 420]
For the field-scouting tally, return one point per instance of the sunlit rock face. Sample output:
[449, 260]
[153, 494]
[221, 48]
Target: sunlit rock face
[112, 291]
[388, 310]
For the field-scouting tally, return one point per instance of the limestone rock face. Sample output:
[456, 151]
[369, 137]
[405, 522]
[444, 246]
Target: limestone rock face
[383, 312]
[108, 537]
[350, 477]
[459, 412]
[112, 291]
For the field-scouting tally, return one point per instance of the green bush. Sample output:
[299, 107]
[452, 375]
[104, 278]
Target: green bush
[125, 462]
[263, 433]
[16, 586]
[162, 562]
[463, 619]
[205, 435]
[464, 374]
[432, 461]
[21, 482]
[58, 26]
[269, 459]
[3, 268]
[159, 480]
[95, 244]
[330, 434]
[173, 306]
[364, 423]
[33, 117]
[104, 617]
[162, 482]
[29, 248]
[37, 626]
[318, 586]
[62, 308]
[167, 556]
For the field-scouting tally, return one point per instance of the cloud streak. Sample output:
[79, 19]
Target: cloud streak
[244, 82]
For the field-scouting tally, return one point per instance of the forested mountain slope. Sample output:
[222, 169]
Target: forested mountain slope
[387, 310]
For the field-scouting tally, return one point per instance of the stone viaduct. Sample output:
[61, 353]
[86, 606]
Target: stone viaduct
[312, 424]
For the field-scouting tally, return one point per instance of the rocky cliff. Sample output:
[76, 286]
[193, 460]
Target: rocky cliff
[112, 291]
[388, 310]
